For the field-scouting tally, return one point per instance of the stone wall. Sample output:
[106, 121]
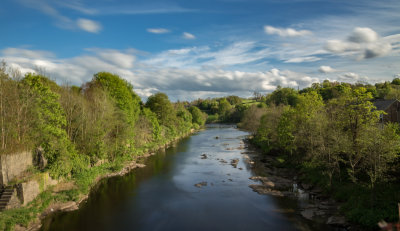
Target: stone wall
[12, 165]
[28, 191]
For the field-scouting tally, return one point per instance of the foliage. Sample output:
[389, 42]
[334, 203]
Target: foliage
[198, 117]
[122, 93]
[285, 96]
[224, 109]
[162, 107]
[48, 128]
[332, 135]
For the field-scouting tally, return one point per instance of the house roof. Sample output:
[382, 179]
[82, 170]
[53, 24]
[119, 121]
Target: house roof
[383, 104]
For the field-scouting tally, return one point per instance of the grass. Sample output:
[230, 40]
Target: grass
[22, 216]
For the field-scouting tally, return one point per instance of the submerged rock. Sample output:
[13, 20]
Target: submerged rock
[201, 184]
[261, 189]
[234, 162]
[308, 213]
[275, 182]
[204, 156]
[337, 221]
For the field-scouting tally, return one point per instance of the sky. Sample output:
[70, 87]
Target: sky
[210, 48]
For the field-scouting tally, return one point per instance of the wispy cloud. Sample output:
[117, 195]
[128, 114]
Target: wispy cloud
[76, 5]
[237, 53]
[286, 32]
[137, 10]
[89, 25]
[302, 59]
[158, 30]
[49, 8]
[187, 35]
[352, 77]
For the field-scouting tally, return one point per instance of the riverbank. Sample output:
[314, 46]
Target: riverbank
[69, 194]
[273, 178]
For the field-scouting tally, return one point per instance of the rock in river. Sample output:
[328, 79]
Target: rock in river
[201, 184]
[234, 162]
[336, 220]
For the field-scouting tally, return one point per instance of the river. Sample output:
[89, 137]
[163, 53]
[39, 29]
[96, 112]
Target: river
[163, 195]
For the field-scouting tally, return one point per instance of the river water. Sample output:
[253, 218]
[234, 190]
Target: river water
[163, 195]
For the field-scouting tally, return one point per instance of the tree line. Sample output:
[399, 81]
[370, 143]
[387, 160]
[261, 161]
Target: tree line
[76, 127]
[332, 134]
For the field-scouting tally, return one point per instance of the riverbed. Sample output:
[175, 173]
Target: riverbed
[201, 183]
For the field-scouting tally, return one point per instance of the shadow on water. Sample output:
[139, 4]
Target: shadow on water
[163, 195]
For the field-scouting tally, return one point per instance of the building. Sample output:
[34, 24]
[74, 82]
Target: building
[392, 109]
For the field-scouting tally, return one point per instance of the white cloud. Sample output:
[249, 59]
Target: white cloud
[363, 43]
[326, 69]
[115, 57]
[218, 80]
[19, 52]
[286, 32]
[187, 35]
[302, 59]
[352, 77]
[184, 83]
[158, 30]
[363, 35]
[75, 70]
[89, 25]
[237, 53]
[376, 50]
[339, 46]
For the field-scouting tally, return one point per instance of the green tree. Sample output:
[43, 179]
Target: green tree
[162, 107]
[356, 113]
[198, 117]
[122, 93]
[234, 100]
[184, 119]
[380, 147]
[224, 109]
[284, 96]
[396, 81]
[48, 130]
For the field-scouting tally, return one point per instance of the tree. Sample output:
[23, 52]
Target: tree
[198, 117]
[355, 115]
[234, 100]
[284, 96]
[257, 95]
[308, 124]
[380, 147]
[396, 81]
[162, 107]
[184, 119]
[122, 93]
[48, 129]
[224, 109]
[252, 118]
[267, 133]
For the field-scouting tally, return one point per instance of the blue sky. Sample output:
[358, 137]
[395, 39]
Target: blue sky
[190, 49]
